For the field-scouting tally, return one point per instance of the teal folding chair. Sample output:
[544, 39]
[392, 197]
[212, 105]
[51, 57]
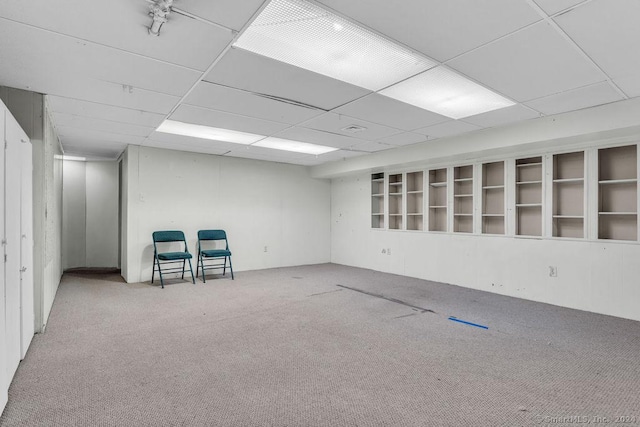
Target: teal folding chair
[164, 258]
[213, 256]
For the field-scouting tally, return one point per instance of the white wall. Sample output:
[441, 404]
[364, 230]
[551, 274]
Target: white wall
[259, 204]
[31, 112]
[74, 227]
[90, 232]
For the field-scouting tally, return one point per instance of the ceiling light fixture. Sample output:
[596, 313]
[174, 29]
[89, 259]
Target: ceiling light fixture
[354, 128]
[72, 158]
[295, 146]
[447, 93]
[207, 132]
[307, 36]
[159, 11]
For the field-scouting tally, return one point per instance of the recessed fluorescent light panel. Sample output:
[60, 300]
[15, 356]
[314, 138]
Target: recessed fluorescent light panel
[310, 37]
[206, 132]
[445, 92]
[296, 146]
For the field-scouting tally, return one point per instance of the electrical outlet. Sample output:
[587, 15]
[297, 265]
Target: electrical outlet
[265, 249]
[384, 251]
[553, 271]
[388, 251]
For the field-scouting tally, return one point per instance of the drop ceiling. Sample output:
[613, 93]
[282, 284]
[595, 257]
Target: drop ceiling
[110, 84]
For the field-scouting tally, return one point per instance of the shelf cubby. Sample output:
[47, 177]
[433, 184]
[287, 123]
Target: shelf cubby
[463, 199]
[529, 196]
[395, 201]
[568, 195]
[618, 193]
[438, 200]
[493, 198]
[415, 200]
[377, 200]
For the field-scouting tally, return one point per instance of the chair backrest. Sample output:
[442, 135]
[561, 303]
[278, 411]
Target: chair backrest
[168, 236]
[212, 235]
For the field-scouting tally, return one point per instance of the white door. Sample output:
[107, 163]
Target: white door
[12, 178]
[26, 247]
[4, 382]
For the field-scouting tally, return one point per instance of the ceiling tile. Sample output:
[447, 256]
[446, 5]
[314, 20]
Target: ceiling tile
[330, 157]
[58, 104]
[123, 25]
[629, 84]
[185, 143]
[335, 123]
[530, 64]
[403, 138]
[230, 13]
[390, 112]
[115, 77]
[267, 154]
[90, 123]
[73, 135]
[318, 137]
[552, 7]
[255, 73]
[223, 120]
[104, 150]
[614, 46]
[576, 99]
[372, 147]
[439, 29]
[503, 116]
[451, 128]
[238, 101]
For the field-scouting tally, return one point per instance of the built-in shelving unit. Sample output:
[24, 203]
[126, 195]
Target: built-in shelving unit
[415, 200]
[493, 200]
[529, 196]
[377, 200]
[463, 199]
[568, 195]
[618, 193]
[438, 200]
[395, 201]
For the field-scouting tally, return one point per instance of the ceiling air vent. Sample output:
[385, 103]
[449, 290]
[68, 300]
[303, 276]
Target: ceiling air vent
[354, 128]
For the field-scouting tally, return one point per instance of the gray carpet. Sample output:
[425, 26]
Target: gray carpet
[289, 347]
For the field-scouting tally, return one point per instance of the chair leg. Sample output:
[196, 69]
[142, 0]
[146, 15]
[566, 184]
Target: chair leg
[160, 273]
[193, 279]
[224, 268]
[204, 275]
[183, 263]
[153, 270]
[230, 267]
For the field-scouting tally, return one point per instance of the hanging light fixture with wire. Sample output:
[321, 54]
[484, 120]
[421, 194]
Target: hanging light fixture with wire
[159, 11]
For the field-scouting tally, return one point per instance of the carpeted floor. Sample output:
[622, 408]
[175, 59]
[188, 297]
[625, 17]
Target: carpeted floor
[322, 345]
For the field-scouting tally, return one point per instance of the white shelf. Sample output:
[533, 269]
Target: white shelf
[528, 205]
[378, 180]
[462, 179]
[492, 187]
[617, 213]
[528, 182]
[462, 214]
[395, 194]
[569, 216]
[618, 181]
[377, 214]
[394, 183]
[526, 165]
[569, 180]
[395, 214]
[415, 192]
[377, 195]
[463, 195]
[437, 207]
[438, 184]
[493, 215]
[415, 214]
